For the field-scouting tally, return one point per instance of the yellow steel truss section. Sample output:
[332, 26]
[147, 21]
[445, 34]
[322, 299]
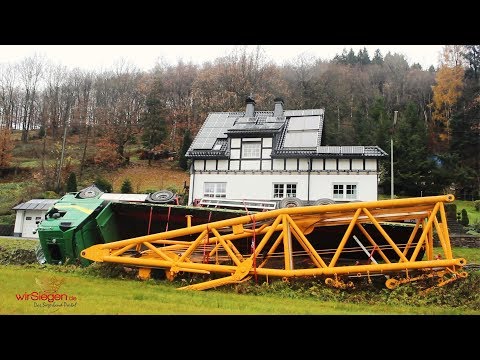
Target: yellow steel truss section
[290, 243]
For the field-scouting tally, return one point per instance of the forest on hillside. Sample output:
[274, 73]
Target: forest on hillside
[436, 136]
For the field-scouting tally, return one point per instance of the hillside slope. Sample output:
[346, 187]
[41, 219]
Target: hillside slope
[25, 180]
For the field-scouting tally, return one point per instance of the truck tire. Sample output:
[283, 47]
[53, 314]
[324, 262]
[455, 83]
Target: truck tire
[323, 201]
[290, 202]
[89, 193]
[161, 197]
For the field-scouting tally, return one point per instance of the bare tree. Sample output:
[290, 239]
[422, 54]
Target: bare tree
[120, 99]
[85, 110]
[396, 68]
[30, 71]
[9, 94]
[224, 85]
[176, 96]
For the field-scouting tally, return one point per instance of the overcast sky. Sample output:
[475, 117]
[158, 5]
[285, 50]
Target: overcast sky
[96, 57]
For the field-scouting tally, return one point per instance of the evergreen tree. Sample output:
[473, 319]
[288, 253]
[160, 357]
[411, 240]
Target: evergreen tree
[413, 165]
[381, 123]
[41, 132]
[372, 127]
[465, 145]
[363, 127]
[377, 58]
[342, 58]
[126, 187]
[72, 182]
[187, 141]
[154, 129]
[351, 58]
[103, 184]
[464, 220]
[472, 55]
[362, 57]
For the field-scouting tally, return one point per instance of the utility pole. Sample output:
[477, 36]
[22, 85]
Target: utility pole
[391, 155]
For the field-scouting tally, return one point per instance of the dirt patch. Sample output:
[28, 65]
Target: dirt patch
[17, 256]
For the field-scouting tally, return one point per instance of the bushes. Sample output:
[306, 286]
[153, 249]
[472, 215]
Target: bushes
[462, 293]
[72, 182]
[126, 187]
[476, 226]
[104, 185]
[464, 218]
[476, 205]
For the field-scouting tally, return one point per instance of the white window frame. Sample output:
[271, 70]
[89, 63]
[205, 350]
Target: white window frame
[287, 190]
[252, 150]
[215, 189]
[345, 191]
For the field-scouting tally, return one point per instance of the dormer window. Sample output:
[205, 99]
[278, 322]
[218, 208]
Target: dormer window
[251, 150]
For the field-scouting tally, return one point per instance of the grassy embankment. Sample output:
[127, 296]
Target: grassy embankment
[106, 289]
[27, 183]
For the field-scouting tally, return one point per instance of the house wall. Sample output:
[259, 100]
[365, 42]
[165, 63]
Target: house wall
[293, 164]
[18, 229]
[253, 178]
[256, 186]
[26, 222]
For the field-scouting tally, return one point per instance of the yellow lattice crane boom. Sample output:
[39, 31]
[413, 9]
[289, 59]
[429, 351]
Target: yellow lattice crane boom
[335, 242]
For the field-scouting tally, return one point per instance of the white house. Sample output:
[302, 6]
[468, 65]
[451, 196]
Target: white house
[29, 214]
[278, 156]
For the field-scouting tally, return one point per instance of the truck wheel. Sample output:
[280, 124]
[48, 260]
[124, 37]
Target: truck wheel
[161, 197]
[323, 201]
[290, 202]
[89, 193]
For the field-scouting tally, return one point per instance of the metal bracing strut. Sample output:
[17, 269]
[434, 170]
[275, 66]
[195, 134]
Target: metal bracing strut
[290, 242]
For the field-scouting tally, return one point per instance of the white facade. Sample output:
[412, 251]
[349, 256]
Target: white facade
[28, 215]
[26, 223]
[308, 187]
[269, 156]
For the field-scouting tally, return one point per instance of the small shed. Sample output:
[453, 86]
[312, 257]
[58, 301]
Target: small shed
[29, 214]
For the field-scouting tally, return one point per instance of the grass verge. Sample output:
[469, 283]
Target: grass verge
[110, 289]
[85, 294]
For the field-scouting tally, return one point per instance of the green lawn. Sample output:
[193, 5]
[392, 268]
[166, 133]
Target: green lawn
[89, 295]
[10, 244]
[473, 215]
[94, 290]
[472, 255]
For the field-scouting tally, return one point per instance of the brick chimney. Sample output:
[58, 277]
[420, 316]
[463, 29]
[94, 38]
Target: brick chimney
[250, 110]
[278, 109]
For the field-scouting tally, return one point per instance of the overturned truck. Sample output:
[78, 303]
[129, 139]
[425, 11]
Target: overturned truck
[391, 239]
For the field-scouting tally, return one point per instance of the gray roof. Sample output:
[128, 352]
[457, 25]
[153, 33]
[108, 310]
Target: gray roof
[333, 152]
[36, 204]
[296, 133]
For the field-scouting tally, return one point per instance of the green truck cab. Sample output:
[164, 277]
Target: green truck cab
[70, 226]
[89, 217]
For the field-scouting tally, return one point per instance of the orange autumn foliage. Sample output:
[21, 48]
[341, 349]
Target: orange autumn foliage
[447, 91]
[106, 153]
